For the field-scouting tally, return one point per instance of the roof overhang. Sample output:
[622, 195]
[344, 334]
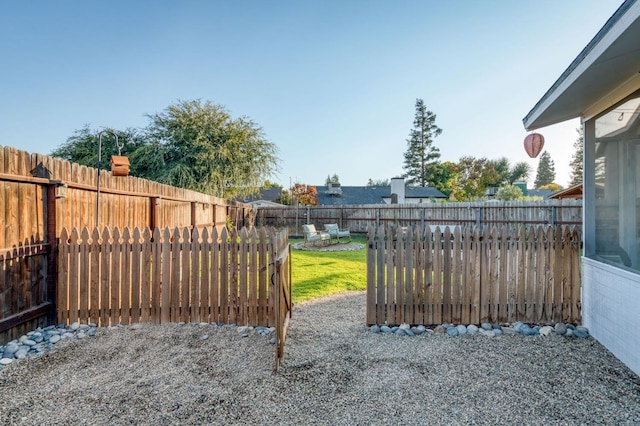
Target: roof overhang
[607, 70]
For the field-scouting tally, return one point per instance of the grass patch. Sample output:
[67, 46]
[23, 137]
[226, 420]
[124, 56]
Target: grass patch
[315, 274]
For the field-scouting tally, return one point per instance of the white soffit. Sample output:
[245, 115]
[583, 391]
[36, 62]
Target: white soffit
[609, 62]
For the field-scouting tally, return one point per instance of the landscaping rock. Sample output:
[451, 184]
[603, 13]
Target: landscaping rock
[546, 330]
[560, 328]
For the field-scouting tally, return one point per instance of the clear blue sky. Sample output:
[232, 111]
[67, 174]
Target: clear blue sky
[332, 83]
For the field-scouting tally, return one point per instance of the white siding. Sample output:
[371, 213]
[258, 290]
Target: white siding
[611, 309]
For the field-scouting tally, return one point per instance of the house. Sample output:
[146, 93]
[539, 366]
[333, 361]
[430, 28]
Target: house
[602, 87]
[573, 192]
[334, 194]
[266, 198]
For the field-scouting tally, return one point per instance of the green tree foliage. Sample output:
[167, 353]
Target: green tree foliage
[191, 144]
[443, 176]
[473, 177]
[82, 148]
[507, 174]
[207, 150]
[546, 170]
[303, 194]
[576, 161]
[421, 157]
[284, 198]
[509, 193]
[378, 182]
[332, 179]
[552, 186]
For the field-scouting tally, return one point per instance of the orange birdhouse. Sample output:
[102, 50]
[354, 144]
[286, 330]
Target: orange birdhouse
[119, 165]
[533, 144]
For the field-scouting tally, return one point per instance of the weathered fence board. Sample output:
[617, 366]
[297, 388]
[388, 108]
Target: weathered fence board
[493, 275]
[359, 218]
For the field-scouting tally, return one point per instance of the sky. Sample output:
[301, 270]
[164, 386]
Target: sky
[332, 83]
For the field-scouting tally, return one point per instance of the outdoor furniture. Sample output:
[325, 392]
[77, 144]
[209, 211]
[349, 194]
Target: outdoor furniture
[311, 235]
[335, 232]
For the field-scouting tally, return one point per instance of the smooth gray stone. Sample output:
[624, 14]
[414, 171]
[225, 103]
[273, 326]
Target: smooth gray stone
[497, 331]
[452, 331]
[488, 333]
[385, 329]
[509, 330]
[74, 326]
[6, 361]
[80, 335]
[21, 354]
[409, 332]
[571, 326]
[421, 328]
[569, 332]
[582, 328]
[55, 338]
[29, 342]
[439, 329]
[375, 329]
[486, 326]
[560, 328]
[472, 329]
[580, 333]
[462, 329]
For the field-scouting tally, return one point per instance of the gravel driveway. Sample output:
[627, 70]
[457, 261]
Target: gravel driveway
[334, 372]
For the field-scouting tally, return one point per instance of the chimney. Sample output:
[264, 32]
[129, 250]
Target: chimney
[397, 189]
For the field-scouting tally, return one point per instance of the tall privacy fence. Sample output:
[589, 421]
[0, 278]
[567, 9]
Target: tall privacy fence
[359, 218]
[40, 195]
[466, 275]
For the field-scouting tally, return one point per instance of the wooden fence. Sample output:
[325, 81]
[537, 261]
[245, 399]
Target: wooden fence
[40, 195]
[360, 218]
[468, 276]
[170, 276]
[283, 299]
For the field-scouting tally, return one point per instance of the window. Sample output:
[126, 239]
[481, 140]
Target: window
[614, 167]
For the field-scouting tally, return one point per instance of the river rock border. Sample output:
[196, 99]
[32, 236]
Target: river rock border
[485, 329]
[42, 340]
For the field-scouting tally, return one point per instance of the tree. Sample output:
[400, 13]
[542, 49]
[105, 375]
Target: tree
[207, 150]
[82, 148]
[421, 156]
[473, 177]
[552, 186]
[444, 175]
[332, 179]
[507, 174]
[284, 198]
[378, 182]
[546, 170]
[576, 160]
[509, 193]
[304, 194]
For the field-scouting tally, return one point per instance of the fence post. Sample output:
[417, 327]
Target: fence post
[193, 215]
[153, 212]
[378, 217]
[553, 218]
[52, 264]
[479, 218]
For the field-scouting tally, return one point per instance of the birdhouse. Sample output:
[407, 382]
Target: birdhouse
[119, 165]
[533, 144]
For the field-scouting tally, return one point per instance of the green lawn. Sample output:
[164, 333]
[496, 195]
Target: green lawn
[316, 274]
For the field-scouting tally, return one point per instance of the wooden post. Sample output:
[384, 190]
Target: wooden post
[53, 252]
[193, 214]
[153, 212]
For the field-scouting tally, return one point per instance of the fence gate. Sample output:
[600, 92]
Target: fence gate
[282, 284]
[468, 276]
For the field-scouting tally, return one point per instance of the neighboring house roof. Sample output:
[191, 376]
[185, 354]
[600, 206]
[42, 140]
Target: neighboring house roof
[544, 193]
[358, 195]
[268, 194]
[574, 192]
[609, 64]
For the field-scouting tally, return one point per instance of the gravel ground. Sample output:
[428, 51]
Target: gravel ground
[334, 372]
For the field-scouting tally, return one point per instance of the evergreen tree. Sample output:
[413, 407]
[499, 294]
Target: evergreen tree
[546, 171]
[576, 160]
[421, 157]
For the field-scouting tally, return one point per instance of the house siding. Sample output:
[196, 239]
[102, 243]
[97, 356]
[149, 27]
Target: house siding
[610, 298]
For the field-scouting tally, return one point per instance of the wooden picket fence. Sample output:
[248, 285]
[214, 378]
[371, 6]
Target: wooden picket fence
[467, 276]
[166, 275]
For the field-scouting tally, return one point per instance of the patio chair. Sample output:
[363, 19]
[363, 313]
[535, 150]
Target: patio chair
[335, 232]
[311, 235]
